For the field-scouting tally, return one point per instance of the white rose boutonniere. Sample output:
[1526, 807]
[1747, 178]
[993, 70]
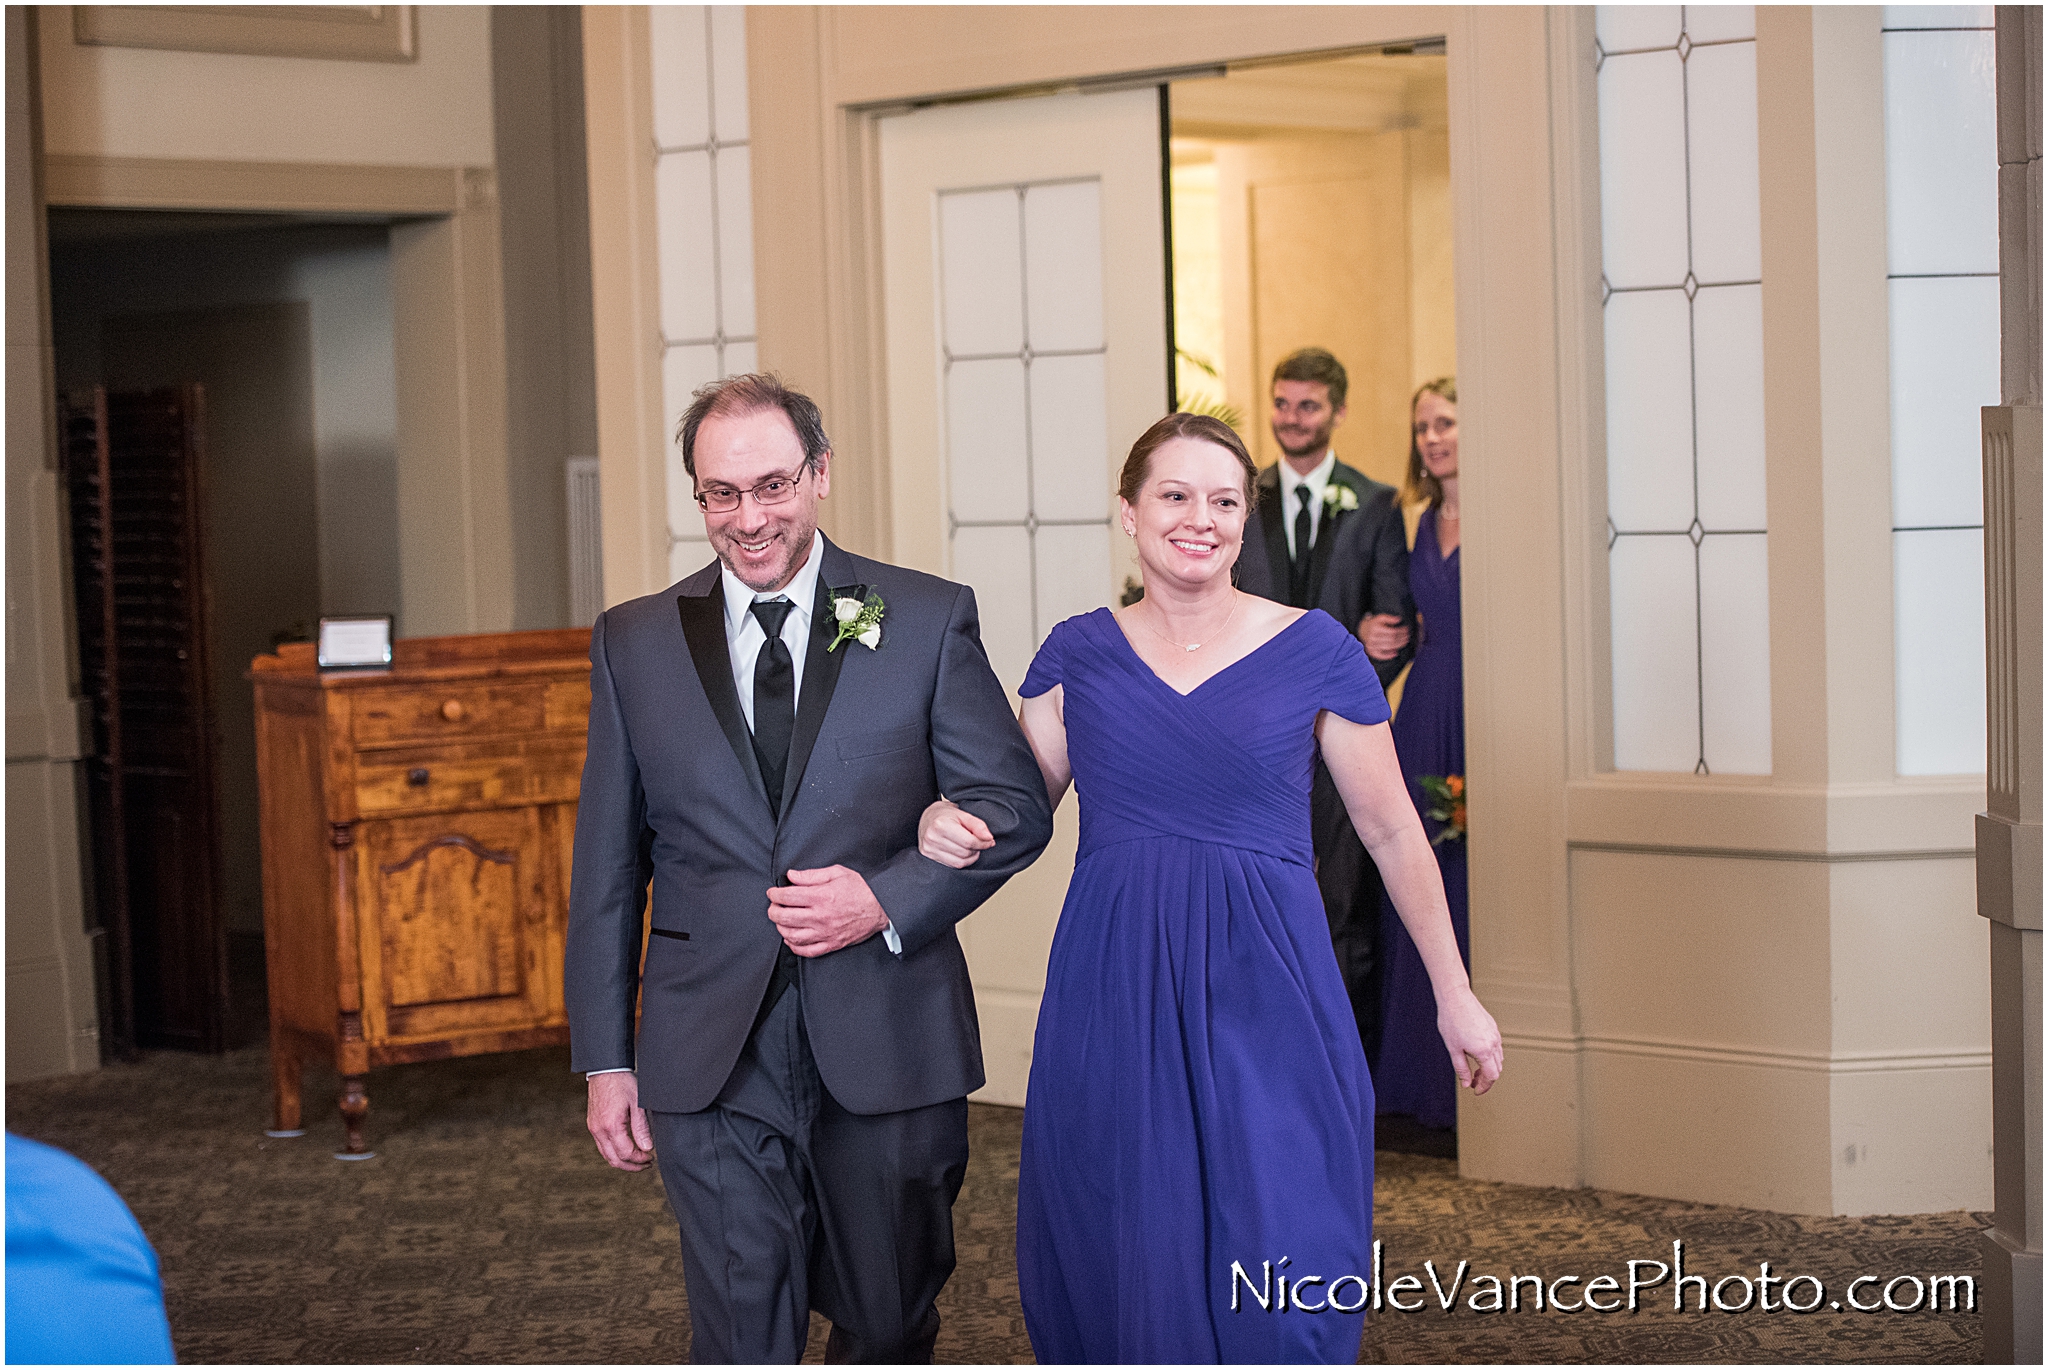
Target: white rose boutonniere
[1339, 498]
[860, 619]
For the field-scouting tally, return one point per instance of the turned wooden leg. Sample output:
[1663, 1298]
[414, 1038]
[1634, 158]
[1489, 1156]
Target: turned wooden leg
[286, 1074]
[355, 1107]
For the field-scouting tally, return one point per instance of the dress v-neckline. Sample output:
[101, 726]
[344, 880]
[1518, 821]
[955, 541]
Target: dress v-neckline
[1206, 680]
[1443, 558]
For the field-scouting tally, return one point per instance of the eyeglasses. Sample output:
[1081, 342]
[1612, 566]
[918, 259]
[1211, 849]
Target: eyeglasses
[720, 499]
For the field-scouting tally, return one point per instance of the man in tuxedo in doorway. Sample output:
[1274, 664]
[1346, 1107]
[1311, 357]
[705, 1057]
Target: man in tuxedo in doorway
[1329, 536]
[764, 736]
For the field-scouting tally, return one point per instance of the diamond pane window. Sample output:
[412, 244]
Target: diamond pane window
[703, 225]
[1682, 307]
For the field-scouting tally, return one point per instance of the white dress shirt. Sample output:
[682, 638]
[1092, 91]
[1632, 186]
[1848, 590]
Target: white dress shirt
[744, 638]
[744, 635]
[1317, 481]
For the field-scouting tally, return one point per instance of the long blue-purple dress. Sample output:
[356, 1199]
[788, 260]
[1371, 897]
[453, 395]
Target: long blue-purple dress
[1198, 1092]
[1412, 1072]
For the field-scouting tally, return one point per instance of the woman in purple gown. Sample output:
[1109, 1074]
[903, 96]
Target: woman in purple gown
[1410, 1073]
[1199, 1104]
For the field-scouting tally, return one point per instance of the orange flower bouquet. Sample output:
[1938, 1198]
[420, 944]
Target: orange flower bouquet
[1446, 805]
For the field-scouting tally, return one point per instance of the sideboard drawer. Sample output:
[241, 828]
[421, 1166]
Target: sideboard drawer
[474, 778]
[427, 713]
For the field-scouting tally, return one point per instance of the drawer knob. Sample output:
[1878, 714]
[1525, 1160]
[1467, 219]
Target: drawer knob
[416, 776]
[452, 710]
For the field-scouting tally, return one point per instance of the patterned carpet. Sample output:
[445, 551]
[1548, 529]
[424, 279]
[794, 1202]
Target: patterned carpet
[486, 1230]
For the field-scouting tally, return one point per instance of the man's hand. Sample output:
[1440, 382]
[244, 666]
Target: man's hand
[618, 1122]
[822, 910]
[1384, 635]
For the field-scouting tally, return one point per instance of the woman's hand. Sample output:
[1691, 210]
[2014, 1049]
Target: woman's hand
[951, 836]
[1472, 1038]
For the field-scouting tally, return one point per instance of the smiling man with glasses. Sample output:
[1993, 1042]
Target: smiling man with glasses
[806, 1036]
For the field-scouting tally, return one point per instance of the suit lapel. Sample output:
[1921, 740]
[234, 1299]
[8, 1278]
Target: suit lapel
[704, 629]
[1271, 517]
[821, 667]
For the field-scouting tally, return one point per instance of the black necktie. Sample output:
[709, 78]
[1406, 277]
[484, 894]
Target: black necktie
[1298, 568]
[774, 698]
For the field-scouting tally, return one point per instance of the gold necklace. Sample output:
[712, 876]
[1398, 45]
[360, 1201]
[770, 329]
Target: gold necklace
[1196, 646]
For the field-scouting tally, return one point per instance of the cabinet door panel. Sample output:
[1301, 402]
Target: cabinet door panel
[455, 933]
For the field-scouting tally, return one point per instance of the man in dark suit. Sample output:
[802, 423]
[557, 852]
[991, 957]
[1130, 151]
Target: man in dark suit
[1329, 536]
[764, 736]
[1308, 495]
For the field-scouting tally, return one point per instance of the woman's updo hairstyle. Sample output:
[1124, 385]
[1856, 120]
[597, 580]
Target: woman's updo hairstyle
[1199, 427]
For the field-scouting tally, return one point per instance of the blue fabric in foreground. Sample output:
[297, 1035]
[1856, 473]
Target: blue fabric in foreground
[1198, 1093]
[82, 1280]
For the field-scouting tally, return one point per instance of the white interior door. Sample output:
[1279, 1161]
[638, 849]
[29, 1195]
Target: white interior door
[1025, 281]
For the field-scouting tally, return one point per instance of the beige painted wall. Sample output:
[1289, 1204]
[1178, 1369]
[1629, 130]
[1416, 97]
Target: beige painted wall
[52, 1023]
[1800, 895]
[1341, 242]
[146, 102]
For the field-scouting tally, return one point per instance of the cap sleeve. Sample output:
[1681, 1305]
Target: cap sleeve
[1048, 668]
[1351, 688]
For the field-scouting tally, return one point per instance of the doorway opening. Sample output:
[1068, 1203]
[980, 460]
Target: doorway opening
[274, 333]
[1311, 207]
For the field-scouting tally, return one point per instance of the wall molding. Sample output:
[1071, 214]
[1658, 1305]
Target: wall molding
[1683, 813]
[1709, 1053]
[91, 181]
[358, 33]
[1758, 854]
[1821, 1062]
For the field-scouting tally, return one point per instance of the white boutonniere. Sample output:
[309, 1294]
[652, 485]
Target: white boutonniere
[1341, 499]
[859, 619]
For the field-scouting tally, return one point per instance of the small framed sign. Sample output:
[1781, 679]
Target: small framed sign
[354, 643]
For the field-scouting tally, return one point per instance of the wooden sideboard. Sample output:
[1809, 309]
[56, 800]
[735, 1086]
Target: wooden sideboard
[417, 828]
